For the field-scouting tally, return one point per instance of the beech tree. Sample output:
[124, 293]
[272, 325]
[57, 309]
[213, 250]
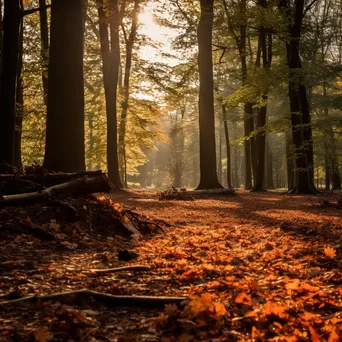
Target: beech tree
[129, 38]
[109, 23]
[299, 106]
[9, 72]
[65, 150]
[208, 172]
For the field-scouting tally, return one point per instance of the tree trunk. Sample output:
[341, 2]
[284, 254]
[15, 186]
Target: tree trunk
[110, 53]
[44, 47]
[331, 152]
[19, 101]
[241, 42]
[65, 150]
[268, 166]
[289, 162]
[208, 174]
[248, 129]
[11, 38]
[126, 91]
[327, 171]
[227, 140]
[300, 113]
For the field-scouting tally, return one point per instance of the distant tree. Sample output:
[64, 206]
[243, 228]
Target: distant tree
[129, 39]
[263, 61]
[44, 47]
[208, 171]
[65, 150]
[236, 15]
[109, 23]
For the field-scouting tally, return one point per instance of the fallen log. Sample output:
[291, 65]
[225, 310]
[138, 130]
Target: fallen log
[21, 183]
[78, 296]
[79, 186]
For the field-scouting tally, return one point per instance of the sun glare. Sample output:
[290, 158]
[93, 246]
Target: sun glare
[158, 34]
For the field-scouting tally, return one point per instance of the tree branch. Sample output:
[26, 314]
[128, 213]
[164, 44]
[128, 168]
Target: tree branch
[104, 298]
[309, 7]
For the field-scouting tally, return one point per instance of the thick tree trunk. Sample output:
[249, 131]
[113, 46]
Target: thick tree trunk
[44, 47]
[65, 150]
[126, 91]
[208, 174]
[19, 102]
[110, 52]
[11, 38]
[300, 113]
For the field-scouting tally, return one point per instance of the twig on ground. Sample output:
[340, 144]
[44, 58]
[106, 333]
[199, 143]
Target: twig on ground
[104, 298]
[119, 269]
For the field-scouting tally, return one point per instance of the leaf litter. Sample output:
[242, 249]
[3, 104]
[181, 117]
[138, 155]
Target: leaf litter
[255, 267]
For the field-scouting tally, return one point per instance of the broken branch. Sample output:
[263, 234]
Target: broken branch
[120, 269]
[104, 298]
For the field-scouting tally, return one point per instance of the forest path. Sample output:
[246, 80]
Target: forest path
[271, 259]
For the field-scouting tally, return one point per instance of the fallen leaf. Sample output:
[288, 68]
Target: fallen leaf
[330, 252]
[41, 334]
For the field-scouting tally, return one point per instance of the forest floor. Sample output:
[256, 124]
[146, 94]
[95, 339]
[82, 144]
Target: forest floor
[256, 267]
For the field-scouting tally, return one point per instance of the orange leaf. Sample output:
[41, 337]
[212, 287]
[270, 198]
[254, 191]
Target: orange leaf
[293, 285]
[243, 298]
[170, 309]
[220, 309]
[334, 337]
[41, 334]
[330, 252]
[275, 309]
[309, 288]
[314, 335]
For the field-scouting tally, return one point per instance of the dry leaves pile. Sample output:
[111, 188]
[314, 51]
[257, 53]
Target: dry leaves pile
[257, 267]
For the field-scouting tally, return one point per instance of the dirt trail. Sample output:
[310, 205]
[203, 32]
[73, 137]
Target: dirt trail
[273, 261]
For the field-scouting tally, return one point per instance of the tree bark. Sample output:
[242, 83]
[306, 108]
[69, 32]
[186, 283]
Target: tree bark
[78, 186]
[11, 38]
[299, 107]
[241, 43]
[110, 53]
[126, 90]
[19, 99]
[208, 172]
[228, 151]
[65, 150]
[289, 161]
[266, 53]
[44, 47]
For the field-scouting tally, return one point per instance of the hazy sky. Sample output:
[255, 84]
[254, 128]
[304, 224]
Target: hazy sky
[158, 34]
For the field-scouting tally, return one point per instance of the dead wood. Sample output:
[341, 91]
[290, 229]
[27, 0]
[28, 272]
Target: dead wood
[175, 194]
[79, 186]
[20, 183]
[119, 269]
[78, 296]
